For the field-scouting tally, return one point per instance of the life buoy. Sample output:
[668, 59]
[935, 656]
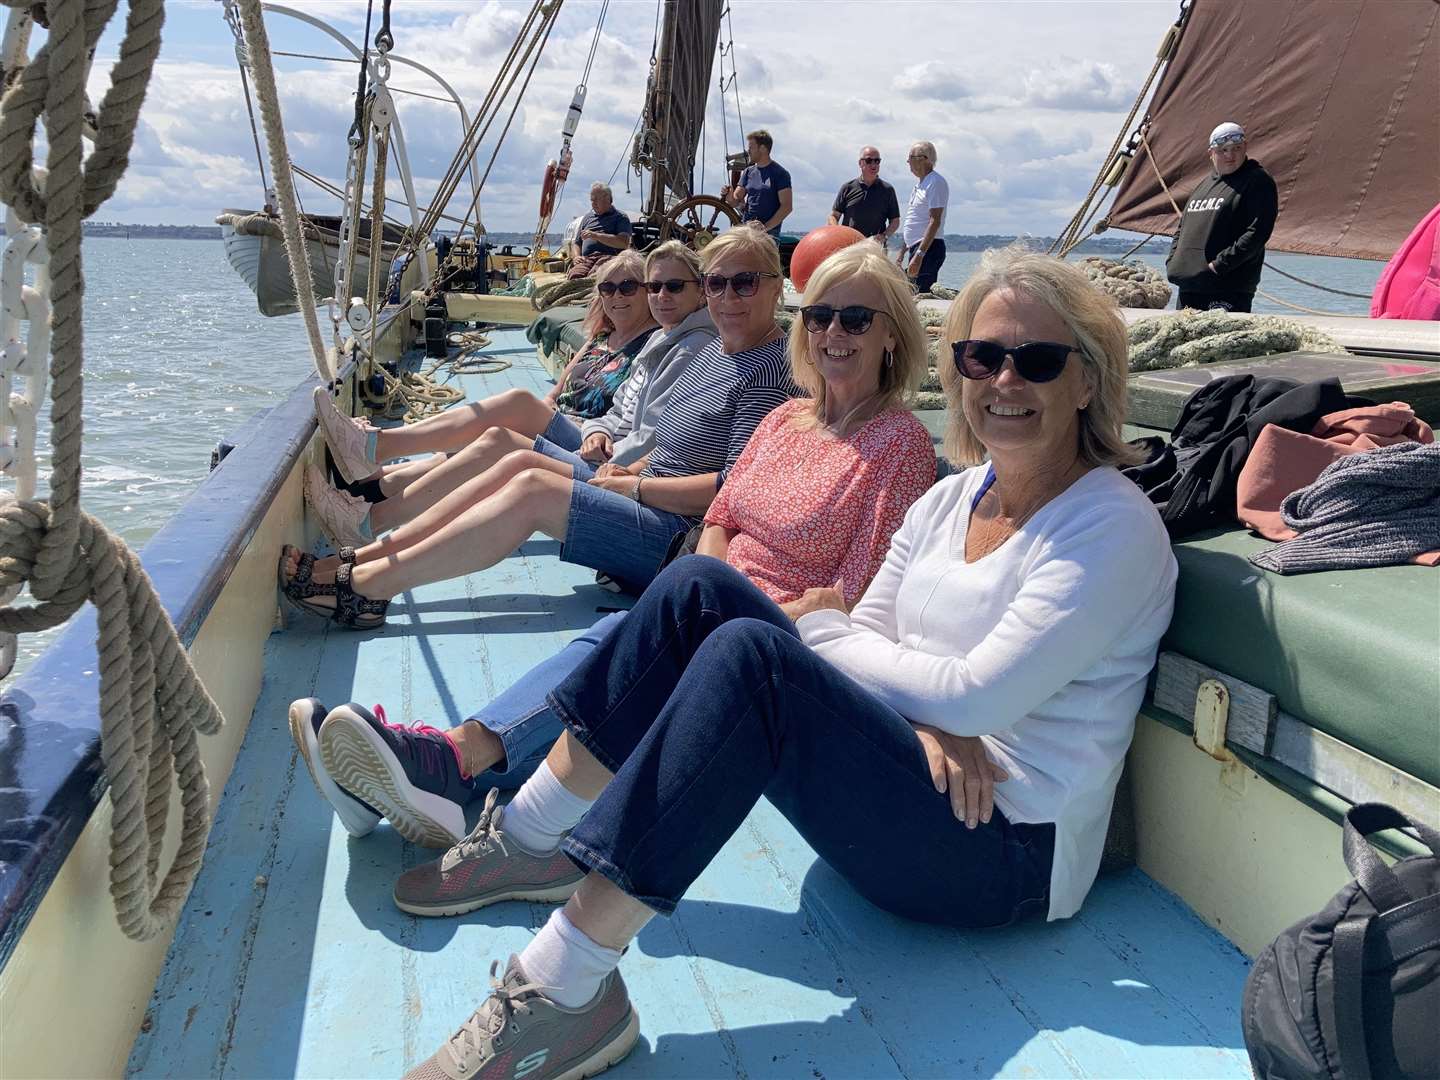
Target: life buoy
[547, 191]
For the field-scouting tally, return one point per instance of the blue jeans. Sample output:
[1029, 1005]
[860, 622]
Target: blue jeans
[522, 719]
[704, 698]
[563, 432]
[929, 265]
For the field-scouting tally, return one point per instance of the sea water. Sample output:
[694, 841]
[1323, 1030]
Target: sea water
[177, 358]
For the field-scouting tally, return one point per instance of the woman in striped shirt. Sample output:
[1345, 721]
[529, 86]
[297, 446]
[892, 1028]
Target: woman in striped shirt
[616, 519]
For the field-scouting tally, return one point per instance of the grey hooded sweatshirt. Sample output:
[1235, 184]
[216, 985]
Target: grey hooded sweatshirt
[630, 423]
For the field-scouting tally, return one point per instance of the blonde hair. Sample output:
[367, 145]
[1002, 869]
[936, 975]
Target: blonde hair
[674, 249]
[745, 241]
[596, 321]
[1092, 317]
[903, 374]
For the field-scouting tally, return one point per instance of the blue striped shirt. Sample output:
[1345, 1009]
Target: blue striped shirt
[716, 405]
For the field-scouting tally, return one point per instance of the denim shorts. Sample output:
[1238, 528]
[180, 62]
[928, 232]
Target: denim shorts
[583, 469]
[563, 432]
[610, 532]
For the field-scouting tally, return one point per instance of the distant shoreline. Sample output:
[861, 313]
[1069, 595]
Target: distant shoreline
[953, 241]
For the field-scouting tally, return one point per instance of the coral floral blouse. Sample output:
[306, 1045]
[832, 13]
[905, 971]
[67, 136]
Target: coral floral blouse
[809, 508]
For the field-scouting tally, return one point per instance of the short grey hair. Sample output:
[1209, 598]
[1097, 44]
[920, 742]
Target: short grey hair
[605, 188]
[928, 149]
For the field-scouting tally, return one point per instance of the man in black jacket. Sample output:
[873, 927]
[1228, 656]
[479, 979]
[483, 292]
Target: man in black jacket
[1217, 253]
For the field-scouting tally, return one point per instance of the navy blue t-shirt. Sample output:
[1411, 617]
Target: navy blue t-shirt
[612, 221]
[763, 184]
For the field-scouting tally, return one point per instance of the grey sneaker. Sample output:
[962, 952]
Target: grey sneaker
[520, 1034]
[351, 441]
[483, 869]
[345, 518]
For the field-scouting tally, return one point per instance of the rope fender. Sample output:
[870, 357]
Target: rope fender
[152, 705]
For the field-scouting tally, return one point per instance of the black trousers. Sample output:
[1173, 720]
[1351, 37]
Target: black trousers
[1214, 301]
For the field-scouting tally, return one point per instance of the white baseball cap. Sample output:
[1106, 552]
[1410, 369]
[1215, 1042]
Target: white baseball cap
[1226, 132]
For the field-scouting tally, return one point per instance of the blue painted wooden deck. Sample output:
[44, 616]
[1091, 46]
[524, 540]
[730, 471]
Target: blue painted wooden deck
[290, 959]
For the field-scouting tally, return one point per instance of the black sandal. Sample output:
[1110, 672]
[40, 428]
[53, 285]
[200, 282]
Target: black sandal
[353, 611]
[299, 589]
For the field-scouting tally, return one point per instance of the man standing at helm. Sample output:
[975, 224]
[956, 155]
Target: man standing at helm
[1219, 249]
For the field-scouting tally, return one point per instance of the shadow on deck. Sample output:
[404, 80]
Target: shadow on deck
[291, 960]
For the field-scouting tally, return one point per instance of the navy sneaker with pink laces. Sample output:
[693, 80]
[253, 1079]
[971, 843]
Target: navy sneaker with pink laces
[412, 774]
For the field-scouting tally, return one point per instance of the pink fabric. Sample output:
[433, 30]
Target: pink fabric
[811, 509]
[1284, 461]
[1409, 286]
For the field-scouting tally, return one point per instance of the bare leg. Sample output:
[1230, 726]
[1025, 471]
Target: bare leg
[453, 429]
[433, 484]
[479, 747]
[604, 914]
[393, 478]
[576, 768]
[446, 511]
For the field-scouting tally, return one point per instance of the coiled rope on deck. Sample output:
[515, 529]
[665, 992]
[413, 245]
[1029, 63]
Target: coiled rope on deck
[1191, 338]
[152, 705]
[1132, 284]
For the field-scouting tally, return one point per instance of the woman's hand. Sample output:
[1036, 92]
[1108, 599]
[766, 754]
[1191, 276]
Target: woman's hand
[606, 471]
[597, 447]
[960, 766]
[831, 599]
[622, 483]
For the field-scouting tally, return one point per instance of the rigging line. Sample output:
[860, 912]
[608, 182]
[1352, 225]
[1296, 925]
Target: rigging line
[1315, 284]
[357, 126]
[537, 49]
[331, 189]
[481, 125]
[1299, 307]
[734, 67]
[255, 133]
[595, 44]
[625, 150]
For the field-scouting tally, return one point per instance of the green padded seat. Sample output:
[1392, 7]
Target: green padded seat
[559, 325]
[1355, 653]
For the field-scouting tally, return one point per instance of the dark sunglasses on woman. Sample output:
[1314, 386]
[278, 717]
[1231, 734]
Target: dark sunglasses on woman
[745, 283]
[854, 319]
[1035, 361]
[670, 285]
[628, 287]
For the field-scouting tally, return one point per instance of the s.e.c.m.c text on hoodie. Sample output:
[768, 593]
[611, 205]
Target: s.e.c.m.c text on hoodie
[1226, 222]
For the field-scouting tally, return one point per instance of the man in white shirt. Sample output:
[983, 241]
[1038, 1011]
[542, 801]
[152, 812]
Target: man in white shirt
[922, 235]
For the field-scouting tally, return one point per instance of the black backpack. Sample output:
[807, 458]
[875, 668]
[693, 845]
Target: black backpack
[1354, 992]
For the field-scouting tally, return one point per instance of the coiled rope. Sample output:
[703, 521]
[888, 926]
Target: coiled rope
[152, 705]
[1132, 284]
[1191, 338]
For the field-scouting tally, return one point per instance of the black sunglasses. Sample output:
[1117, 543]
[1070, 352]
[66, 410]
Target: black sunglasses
[670, 285]
[745, 283]
[869, 161]
[854, 319]
[628, 287]
[1035, 361]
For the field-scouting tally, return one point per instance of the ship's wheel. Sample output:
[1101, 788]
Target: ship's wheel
[697, 220]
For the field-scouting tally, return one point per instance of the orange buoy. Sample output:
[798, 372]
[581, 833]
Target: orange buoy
[816, 246]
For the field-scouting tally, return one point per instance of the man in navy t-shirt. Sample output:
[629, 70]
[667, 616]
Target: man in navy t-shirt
[764, 189]
[604, 230]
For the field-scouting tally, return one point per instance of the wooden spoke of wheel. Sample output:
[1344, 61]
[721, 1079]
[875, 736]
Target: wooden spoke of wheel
[696, 220]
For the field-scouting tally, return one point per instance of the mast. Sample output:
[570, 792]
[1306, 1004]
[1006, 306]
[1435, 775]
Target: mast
[659, 107]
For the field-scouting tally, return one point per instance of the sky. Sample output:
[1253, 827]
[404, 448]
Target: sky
[1022, 99]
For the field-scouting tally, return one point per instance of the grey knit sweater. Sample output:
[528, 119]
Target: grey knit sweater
[1376, 508]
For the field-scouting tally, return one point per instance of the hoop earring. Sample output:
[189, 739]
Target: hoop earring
[889, 358]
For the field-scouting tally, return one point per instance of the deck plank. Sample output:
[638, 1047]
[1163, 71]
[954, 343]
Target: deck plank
[771, 967]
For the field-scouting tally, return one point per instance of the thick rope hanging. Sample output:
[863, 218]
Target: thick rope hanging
[257, 43]
[152, 705]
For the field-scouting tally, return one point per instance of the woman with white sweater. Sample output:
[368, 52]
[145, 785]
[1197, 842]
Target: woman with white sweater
[1010, 628]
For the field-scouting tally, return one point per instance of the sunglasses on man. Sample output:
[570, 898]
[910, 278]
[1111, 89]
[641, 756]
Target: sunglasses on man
[869, 161]
[745, 283]
[854, 318]
[1227, 140]
[1035, 361]
[628, 287]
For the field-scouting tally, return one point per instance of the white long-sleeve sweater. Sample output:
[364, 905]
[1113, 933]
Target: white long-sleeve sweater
[1041, 648]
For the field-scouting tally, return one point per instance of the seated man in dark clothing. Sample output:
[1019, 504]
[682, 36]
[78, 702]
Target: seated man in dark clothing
[764, 189]
[602, 232]
[1219, 249]
[867, 203]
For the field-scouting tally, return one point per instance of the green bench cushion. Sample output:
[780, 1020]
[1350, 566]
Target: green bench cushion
[559, 325]
[1355, 653]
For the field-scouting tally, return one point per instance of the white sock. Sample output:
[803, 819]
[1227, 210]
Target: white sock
[565, 963]
[542, 812]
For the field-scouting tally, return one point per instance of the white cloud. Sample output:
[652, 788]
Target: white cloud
[933, 80]
[1074, 84]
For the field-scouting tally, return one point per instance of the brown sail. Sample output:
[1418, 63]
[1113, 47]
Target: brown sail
[675, 99]
[1339, 100]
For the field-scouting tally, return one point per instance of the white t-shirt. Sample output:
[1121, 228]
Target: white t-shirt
[572, 231]
[1041, 648]
[931, 193]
